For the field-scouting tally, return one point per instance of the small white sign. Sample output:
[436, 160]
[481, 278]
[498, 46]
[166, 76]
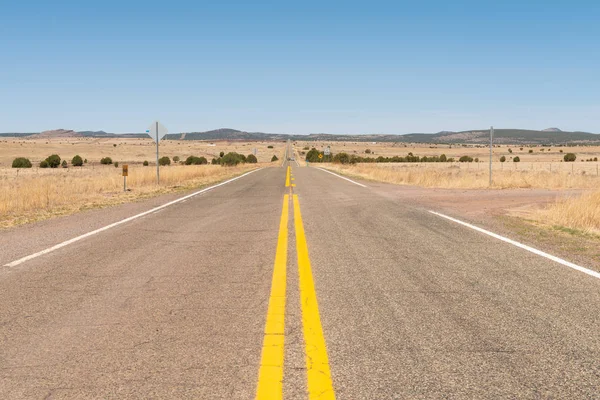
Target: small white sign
[327, 151]
[157, 131]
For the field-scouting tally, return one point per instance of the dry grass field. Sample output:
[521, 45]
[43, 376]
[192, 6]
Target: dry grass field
[33, 194]
[127, 151]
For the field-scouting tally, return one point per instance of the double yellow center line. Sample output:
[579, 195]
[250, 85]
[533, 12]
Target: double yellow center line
[270, 377]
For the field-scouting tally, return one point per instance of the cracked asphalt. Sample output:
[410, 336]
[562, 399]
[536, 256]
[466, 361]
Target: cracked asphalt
[173, 304]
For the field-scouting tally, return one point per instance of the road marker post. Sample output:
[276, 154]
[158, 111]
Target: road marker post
[125, 173]
[157, 131]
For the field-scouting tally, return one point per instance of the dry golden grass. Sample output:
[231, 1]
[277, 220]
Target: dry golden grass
[467, 176]
[581, 213]
[34, 194]
[544, 154]
[128, 150]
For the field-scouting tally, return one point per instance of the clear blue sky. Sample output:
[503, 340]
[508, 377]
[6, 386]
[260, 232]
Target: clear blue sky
[300, 67]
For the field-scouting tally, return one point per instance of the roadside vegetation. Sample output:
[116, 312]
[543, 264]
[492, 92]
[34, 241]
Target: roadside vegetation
[36, 194]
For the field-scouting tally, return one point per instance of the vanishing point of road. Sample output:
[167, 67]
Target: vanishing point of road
[289, 282]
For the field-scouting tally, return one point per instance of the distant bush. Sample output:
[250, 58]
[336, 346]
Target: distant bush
[465, 159]
[251, 158]
[510, 151]
[215, 161]
[21, 162]
[114, 145]
[193, 160]
[274, 158]
[269, 147]
[530, 151]
[502, 159]
[85, 161]
[560, 150]
[44, 164]
[53, 161]
[570, 157]
[176, 159]
[595, 158]
[305, 148]
[443, 158]
[106, 161]
[221, 154]
[116, 164]
[342, 158]
[232, 158]
[516, 159]
[145, 163]
[368, 151]
[476, 160]
[164, 161]
[64, 164]
[77, 161]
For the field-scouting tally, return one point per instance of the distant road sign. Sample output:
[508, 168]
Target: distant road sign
[125, 170]
[157, 131]
[327, 151]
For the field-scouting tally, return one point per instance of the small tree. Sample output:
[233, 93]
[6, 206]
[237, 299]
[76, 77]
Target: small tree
[145, 163]
[464, 159]
[570, 157]
[530, 151]
[221, 154]
[368, 151]
[116, 164]
[510, 151]
[176, 159]
[443, 158]
[77, 161]
[106, 161]
[164, 161]
[21, 162]
[85, 161]
[251, 159]
[64, 164]
[44, 164]
[517, 159]
[53, 161]
[502, 159]
[274, 158]
[269, 147]
[342, 158]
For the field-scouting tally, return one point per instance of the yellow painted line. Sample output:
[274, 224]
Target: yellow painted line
[270, 375]
[318, 374]
[287, 177]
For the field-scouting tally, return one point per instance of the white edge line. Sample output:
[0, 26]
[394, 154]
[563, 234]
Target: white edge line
[342, 177]
[522, 246]
[85, 235]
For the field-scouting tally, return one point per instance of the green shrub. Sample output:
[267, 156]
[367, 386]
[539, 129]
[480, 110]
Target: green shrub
[560, 150]
[85, 161]
[145, 163]
[53, 161]
[368, 151]
[443, 158]
[164, 161]
[251, 158]
[476, 160]
[465, 159]
[77, 161]
[176, 159]
[106, 161]
[274, 158]
[44, 164]
[269, 147]
[530, 151]
[116, 164]
[21, 162]
[114, 145]
[595, 158]
[570, 157]
[232, 158]
[193, 160]
[502, 159]
[516, 159]
[215, 161]
[221, 154]
[342, 158]
[64, 164]
[510, 151]
[305, 148]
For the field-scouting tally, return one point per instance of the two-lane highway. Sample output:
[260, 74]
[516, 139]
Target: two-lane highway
[294, 282]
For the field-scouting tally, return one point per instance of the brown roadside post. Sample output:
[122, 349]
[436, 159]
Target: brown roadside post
[125, 173]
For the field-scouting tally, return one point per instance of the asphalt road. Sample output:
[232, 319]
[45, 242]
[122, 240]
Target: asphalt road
[375, 299]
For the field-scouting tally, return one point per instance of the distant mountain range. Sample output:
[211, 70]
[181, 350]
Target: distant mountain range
[548, 136]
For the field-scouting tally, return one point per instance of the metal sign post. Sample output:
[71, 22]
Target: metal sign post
[157, 131]
[491, 144]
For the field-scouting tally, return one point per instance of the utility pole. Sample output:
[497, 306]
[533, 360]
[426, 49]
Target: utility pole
[157, 169]
[491, 144]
